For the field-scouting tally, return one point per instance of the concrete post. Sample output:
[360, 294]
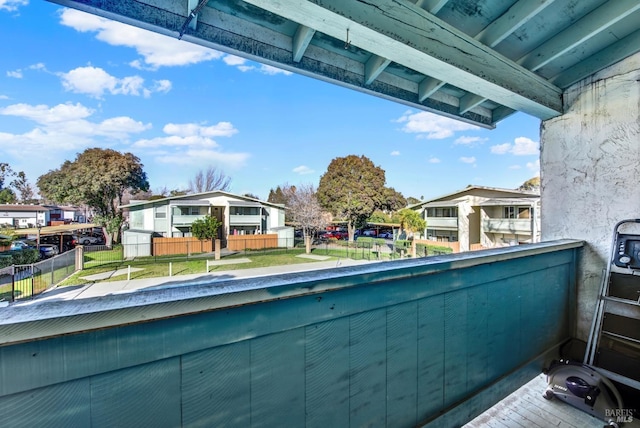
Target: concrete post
[79, 257]
[217, 249]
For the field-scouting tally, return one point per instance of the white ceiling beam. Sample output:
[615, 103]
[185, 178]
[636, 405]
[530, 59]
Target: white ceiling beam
[500, 113]
[432, 6]
[427, 87]
[498, 30]
[468, 102]
[517, 15]
[407, 35]
[621, 49]
[301, 41]
[593, 23]
[374, 66]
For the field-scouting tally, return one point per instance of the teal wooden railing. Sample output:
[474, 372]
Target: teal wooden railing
[390, 344]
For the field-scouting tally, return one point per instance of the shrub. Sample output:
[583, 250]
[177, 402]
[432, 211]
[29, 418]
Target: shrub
[22, 257]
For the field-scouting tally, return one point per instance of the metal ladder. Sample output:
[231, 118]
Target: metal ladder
[613, 346]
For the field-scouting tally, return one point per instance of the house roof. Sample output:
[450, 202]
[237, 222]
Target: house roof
[202, 195]
[471, 190]
[18, 207]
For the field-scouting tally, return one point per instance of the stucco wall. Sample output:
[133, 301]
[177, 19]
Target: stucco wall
[590, 170]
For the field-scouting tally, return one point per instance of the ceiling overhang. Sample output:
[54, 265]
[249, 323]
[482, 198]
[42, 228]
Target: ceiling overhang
[403, 51]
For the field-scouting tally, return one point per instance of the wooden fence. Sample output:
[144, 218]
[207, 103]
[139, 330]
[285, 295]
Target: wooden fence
[252, 242]
[172, 246]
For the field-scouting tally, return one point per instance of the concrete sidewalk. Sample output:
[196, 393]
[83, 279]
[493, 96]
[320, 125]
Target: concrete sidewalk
[127, 286]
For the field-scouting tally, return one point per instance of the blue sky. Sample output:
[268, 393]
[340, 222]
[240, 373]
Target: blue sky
[70, 81]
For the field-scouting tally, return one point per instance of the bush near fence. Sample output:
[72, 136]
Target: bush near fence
[423, 248]
[21, 257]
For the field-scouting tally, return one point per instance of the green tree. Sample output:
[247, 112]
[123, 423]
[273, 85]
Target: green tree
[411, 221]
[21, 184]
[7, 195]
[99, 179]
[205, 228]
[412, 201]
[531, 185]
[392, 200]
[281, 196]
[352, 189]
[379, 216]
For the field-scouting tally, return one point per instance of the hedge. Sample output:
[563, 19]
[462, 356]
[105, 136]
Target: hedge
[21, 257]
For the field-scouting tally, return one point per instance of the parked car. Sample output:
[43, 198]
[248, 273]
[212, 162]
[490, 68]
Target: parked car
[88, 240]
[21, 245]
[48, 250]
[386, 235]
[64, 241]
[334, 234]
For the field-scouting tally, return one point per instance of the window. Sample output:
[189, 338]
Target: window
[442, 212]
[186, 210]
[244, 211]
[517, 212]
[161, 212]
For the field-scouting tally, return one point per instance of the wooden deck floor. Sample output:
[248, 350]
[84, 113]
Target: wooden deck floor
[526, 408]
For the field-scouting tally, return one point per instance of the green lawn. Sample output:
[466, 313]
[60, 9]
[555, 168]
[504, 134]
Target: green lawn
[154, 269]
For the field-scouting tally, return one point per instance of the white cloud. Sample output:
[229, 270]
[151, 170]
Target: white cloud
[270, 70]
[395, 153]
[471, 159]
[500, 149]
[434, 160]
[19, 74]
[193, 144]
[4, 97]
[241, 64]
[155, 49]
[469, 141]
[95, 82]
[162, 86]
[534, 167]
[43, 114]
[522, 146]
[233, 60]
[221, 129]
[515, 167]
[431, 126]
[12, 5]
[65, 127]
[303, 170]
[201, 157]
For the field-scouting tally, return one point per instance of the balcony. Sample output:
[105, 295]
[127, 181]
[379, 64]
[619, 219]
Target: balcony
[450, 223]
[507, 225]
[185, 220]
[244, 220]
[431, 341]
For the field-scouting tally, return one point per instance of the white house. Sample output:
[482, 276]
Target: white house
[23, 216]
[173, 216]
[484, 217]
